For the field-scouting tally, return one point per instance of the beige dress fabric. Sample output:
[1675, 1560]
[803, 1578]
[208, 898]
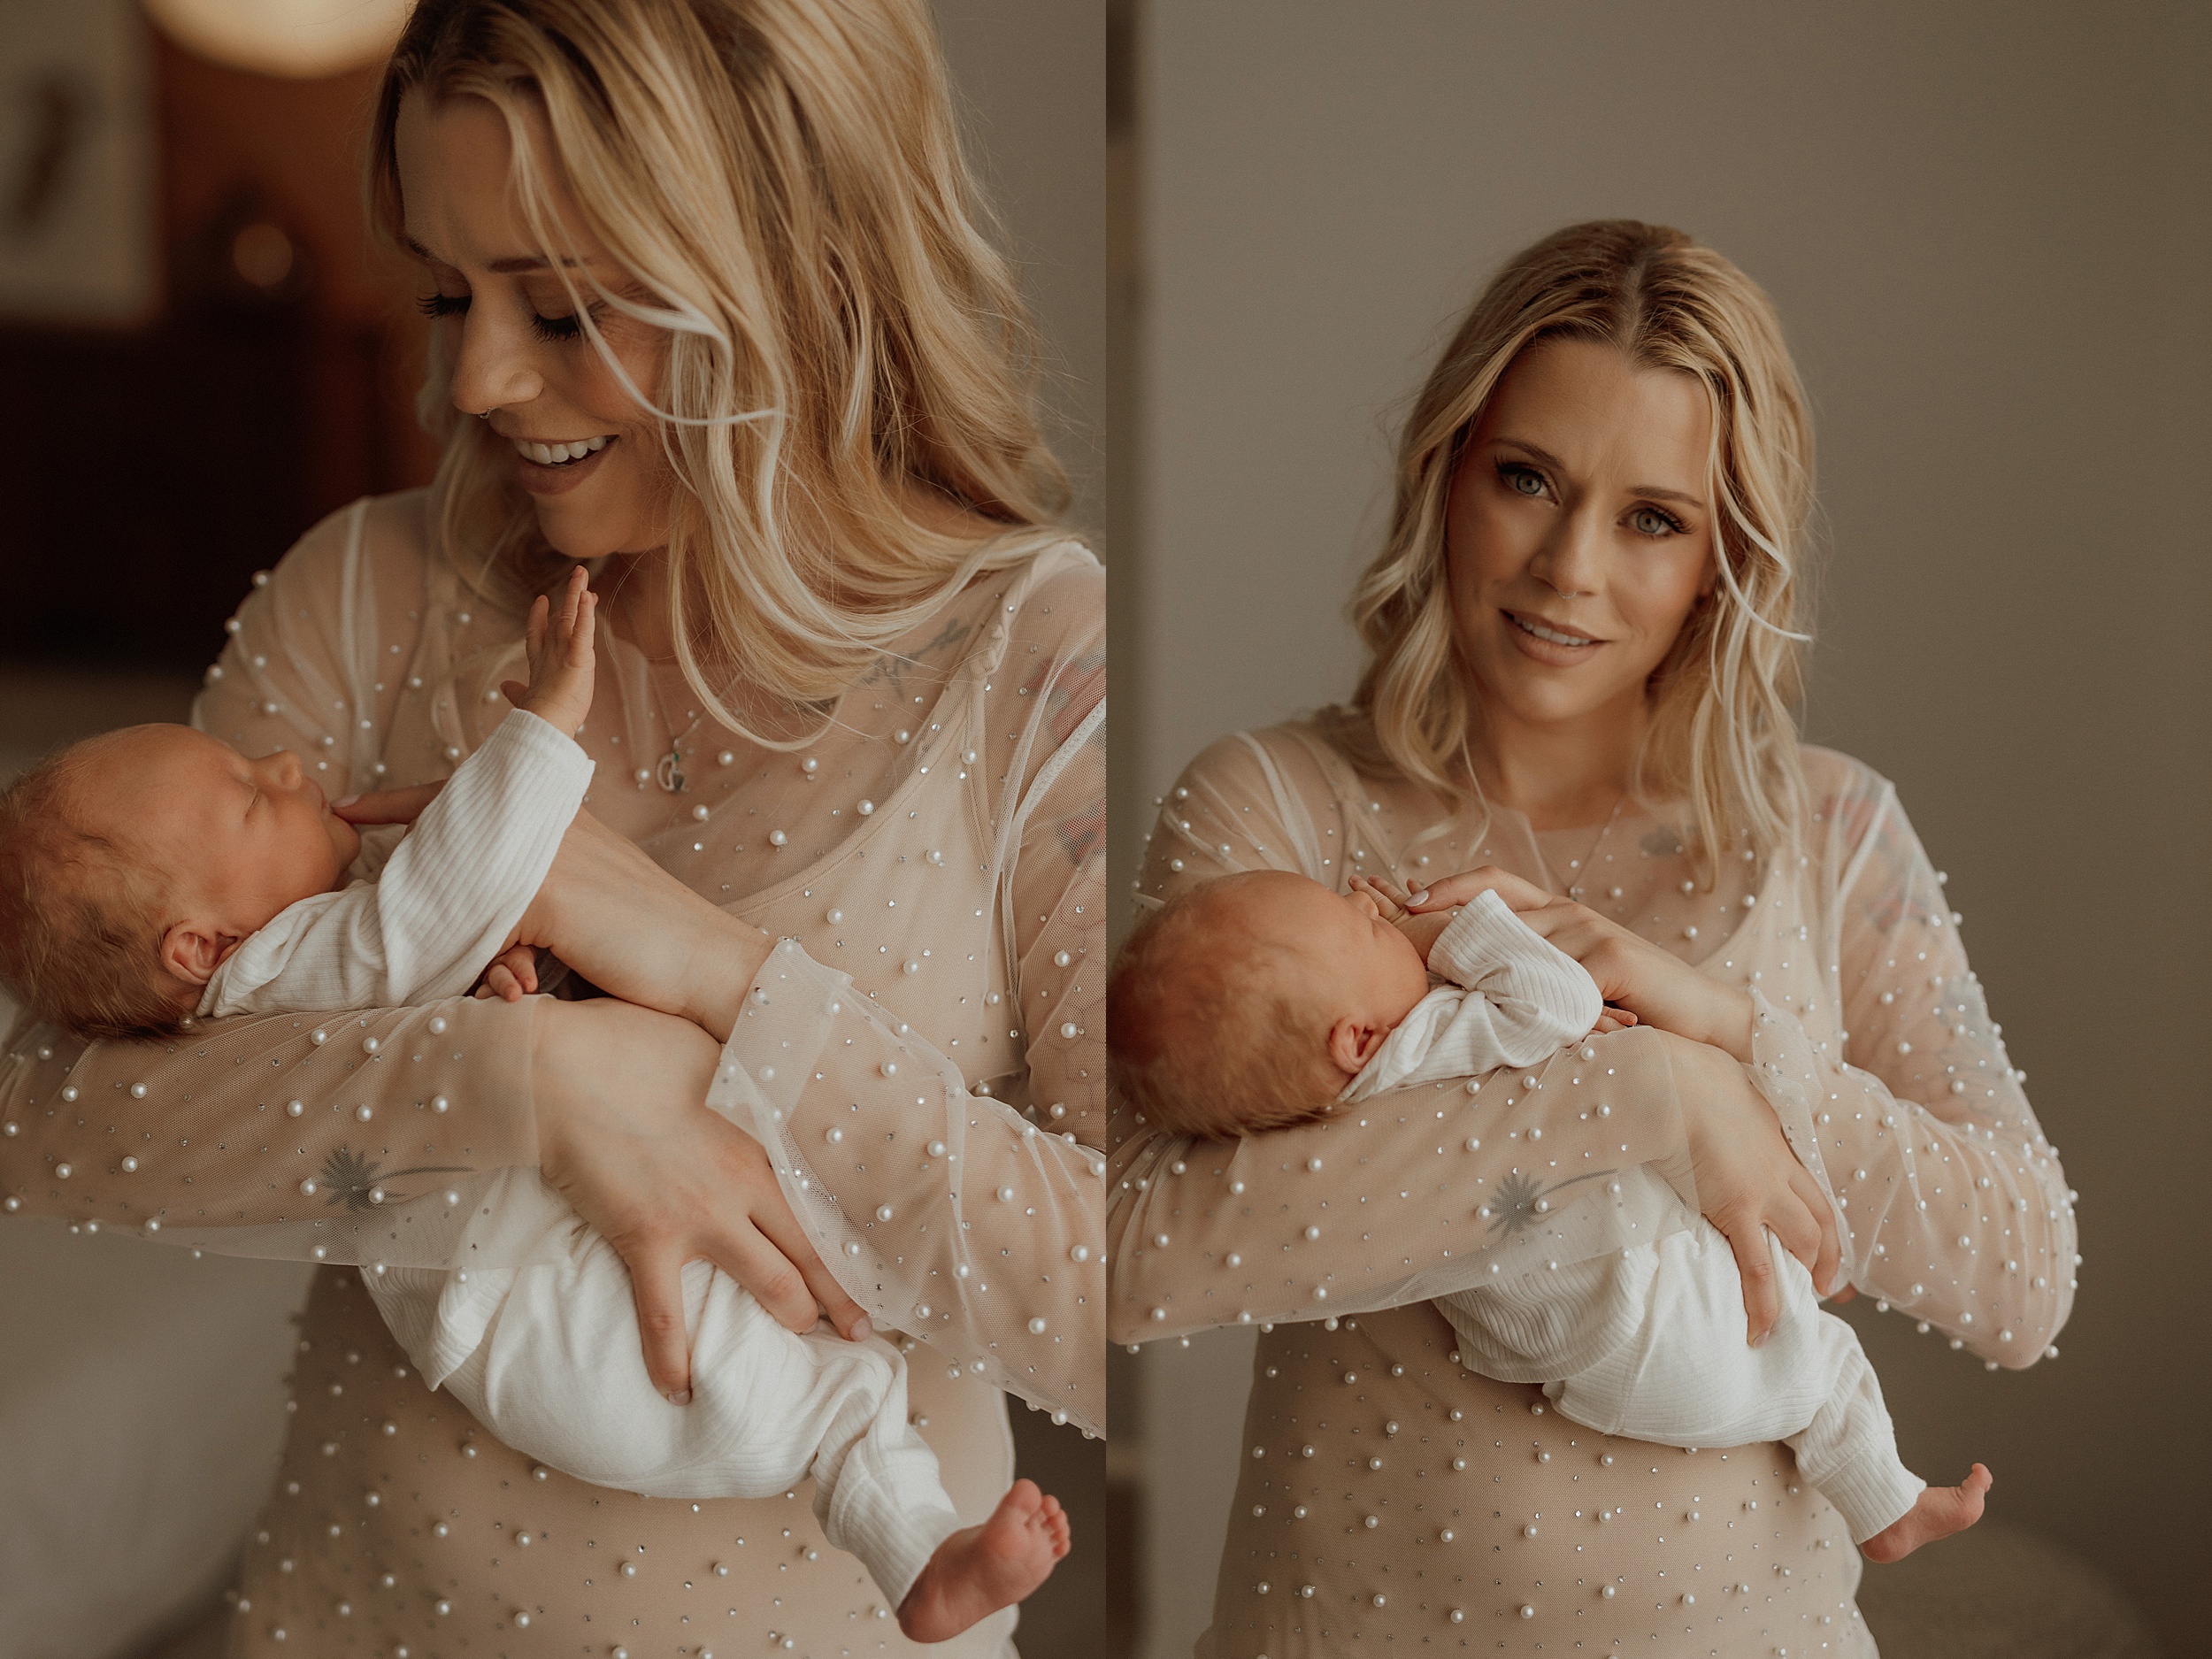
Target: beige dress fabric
[1388, 1494]
[941, 844]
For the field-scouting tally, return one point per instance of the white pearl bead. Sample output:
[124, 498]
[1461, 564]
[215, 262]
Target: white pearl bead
[866, 807]
[293, 1108]
[438, 1103]
[883, 1212]
[936, 1149]
[1036, 1327]
[364, 1113]
[130, 1166]
[369, 1045]
[319, 1037]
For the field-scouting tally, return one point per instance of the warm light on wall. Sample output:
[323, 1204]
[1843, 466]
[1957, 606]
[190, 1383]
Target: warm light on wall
[301, 39]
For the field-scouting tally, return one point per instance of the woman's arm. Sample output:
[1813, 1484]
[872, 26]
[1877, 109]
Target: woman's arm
[1427, 1189]
[1957, 1210]
[951, 1216]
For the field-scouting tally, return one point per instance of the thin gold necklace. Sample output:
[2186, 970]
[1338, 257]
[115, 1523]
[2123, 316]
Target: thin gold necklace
[1590, 858]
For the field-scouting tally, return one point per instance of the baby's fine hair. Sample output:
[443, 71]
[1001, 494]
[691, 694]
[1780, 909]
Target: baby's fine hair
[80, 915]
[1202, 1036]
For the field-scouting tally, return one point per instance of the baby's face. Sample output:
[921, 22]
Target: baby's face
[1355, 962]
[242, 838]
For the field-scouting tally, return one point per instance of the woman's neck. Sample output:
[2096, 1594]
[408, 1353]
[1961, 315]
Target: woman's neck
[1559, 774]
[634, 592]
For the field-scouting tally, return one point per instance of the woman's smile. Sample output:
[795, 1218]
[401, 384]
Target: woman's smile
[1549, 642]
[554, 469]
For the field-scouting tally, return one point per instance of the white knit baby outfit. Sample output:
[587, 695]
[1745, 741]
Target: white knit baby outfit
[1649, 1342]
[547, 1357]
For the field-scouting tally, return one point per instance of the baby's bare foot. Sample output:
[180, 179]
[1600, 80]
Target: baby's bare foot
[1938, 1512]
[982, 1569]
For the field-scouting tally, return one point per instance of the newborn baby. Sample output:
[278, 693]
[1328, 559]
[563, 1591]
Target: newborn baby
[156, 874]
[1264, 999]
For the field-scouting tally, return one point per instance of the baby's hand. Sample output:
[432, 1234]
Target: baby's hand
[558, 642]
[1613, 1019]
[512, 976]
[1390, 905]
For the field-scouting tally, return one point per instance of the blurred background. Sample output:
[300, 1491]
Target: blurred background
[1988, 231]
[201, 354]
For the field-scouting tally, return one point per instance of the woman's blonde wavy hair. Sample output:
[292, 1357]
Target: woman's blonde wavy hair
[784, 179]
[1722, 736]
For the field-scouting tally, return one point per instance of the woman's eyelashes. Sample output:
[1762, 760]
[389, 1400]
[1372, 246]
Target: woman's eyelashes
[554, 330]
[1654, 522]
[1645, 519]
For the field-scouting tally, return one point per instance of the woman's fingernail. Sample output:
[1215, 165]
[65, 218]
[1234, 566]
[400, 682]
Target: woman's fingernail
[679, 1397]
[1418, 898]
[345, 799]
[862, 1329]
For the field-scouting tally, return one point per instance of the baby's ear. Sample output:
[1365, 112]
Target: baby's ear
[1352, 1044]
[193, 951]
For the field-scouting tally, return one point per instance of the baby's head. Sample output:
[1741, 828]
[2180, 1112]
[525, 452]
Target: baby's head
[132, 863]
[1249, 1002]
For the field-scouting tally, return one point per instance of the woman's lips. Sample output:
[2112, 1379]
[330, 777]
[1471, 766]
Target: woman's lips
[563, 476]
[1552, 652]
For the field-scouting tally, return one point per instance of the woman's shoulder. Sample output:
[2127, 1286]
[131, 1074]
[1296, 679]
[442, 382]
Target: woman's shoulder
[1839, 785]
[1058, 592]
[375, 536]
[1313, 756]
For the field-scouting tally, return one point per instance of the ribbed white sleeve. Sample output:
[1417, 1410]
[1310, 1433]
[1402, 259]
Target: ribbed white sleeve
[446, 902]
[1515, 998]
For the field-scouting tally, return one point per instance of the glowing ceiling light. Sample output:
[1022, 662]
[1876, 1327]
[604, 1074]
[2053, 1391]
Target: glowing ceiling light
[299, 38]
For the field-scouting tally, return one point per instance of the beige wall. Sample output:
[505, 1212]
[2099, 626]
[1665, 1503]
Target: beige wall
[1987, 231]
[1030, 76]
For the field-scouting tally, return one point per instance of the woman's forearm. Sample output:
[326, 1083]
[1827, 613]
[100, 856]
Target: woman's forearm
[251, 1122]
[1403, 1197]
[945, 1214]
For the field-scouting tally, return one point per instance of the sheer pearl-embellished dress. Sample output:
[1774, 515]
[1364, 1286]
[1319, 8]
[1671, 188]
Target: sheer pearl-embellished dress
[1389, 1497]
[941, 844]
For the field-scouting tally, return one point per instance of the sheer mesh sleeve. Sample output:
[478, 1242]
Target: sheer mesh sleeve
[1953, 1202]
[1406, 1196]
[337, 1138]
[952, 1215]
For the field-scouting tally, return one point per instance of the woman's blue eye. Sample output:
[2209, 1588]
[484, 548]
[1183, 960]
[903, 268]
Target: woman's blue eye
[1650, 521]
[1523, 481]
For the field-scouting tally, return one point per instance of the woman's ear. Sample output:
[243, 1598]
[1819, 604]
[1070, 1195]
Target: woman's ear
[1352, 1045]
[192, 951]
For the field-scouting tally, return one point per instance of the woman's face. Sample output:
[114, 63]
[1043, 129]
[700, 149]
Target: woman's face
[1578, 536]
[519, 352]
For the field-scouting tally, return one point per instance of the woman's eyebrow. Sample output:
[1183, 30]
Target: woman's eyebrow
[515, 265]
[1657, 492]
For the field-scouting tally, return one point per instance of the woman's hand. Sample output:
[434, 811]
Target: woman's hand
[1748, 1180]
[1631, 972]
[624, 1135]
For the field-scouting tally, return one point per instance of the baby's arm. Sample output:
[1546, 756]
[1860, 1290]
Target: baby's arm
[1530, 998]
[557, 642]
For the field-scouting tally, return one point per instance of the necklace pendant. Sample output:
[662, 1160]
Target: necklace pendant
[670, 774]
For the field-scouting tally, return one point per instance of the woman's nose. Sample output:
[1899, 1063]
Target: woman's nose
[1568, 562]
[493, 369]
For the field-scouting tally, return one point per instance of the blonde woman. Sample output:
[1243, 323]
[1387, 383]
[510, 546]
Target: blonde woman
[1585, 630]
[719, 317]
